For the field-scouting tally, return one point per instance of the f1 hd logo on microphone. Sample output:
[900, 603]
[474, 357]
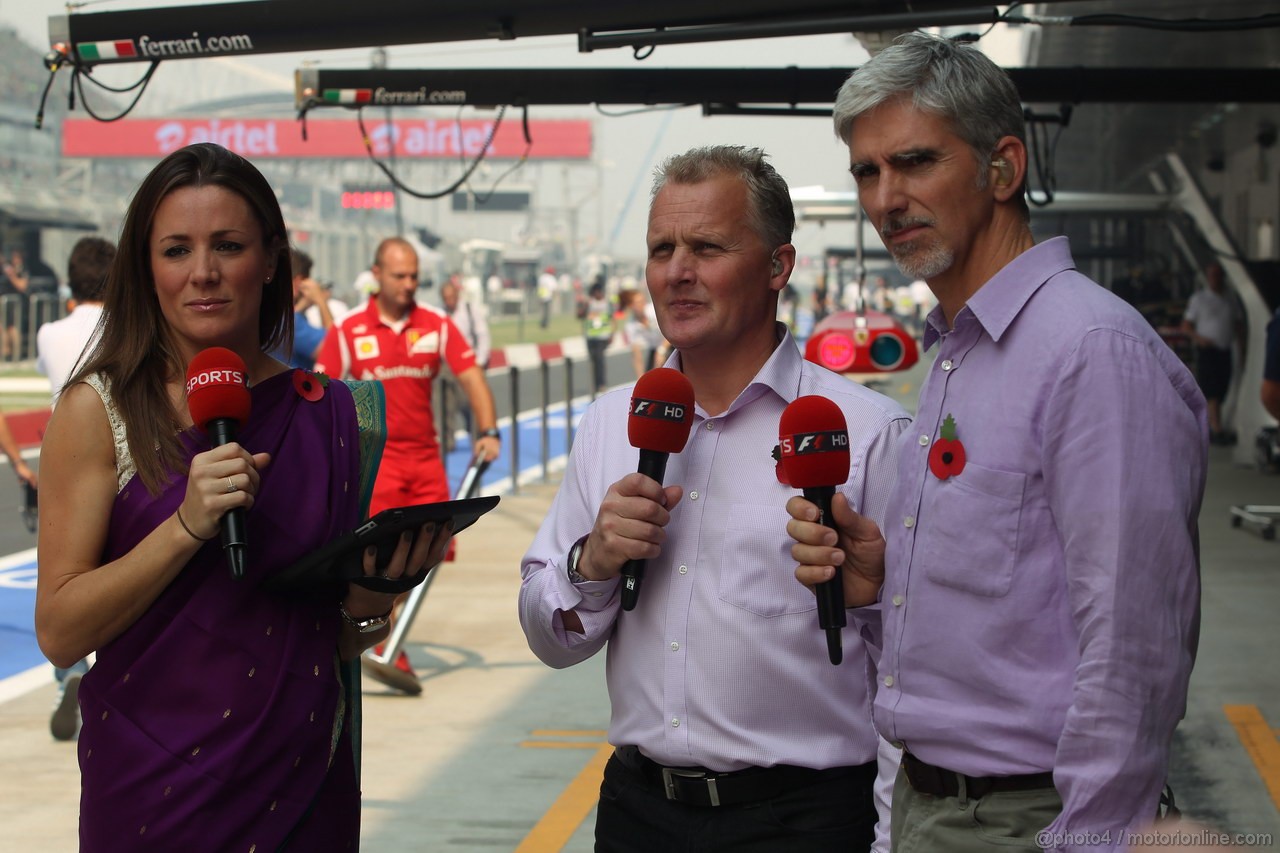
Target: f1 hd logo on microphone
[815, 442]
[657, 409]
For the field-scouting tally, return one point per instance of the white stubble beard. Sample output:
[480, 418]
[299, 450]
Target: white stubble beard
[917, 259]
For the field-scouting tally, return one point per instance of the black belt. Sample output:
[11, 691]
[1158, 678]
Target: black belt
[697, 786]
[940, 782]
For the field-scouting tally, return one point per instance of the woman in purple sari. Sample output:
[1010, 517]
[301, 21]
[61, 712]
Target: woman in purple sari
[219, 716]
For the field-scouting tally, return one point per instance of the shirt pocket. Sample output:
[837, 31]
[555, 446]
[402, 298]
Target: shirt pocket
[757, 571]
[968, 533]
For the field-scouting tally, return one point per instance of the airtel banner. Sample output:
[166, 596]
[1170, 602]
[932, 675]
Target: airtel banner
[265, 138]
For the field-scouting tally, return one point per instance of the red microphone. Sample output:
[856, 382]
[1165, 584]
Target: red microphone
[814, 441]
[219, 402]
[659, 423]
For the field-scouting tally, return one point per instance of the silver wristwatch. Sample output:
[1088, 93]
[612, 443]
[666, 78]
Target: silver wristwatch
[575, 557]
[365, 626]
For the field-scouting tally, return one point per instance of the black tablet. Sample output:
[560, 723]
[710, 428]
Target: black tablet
[342, 559]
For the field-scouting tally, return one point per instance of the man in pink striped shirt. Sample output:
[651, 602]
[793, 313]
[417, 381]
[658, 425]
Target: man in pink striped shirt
[1034, 598]
[733, 730]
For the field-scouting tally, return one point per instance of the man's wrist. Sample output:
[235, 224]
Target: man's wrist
[491, 432]
[573, 564]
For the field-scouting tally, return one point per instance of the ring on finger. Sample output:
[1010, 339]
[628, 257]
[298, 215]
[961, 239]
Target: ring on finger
[231, 486]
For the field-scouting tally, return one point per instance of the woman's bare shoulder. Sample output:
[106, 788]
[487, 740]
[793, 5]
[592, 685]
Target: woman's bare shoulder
[81, 418]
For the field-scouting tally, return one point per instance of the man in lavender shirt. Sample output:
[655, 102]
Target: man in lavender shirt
[733, 730]
[1034, 599]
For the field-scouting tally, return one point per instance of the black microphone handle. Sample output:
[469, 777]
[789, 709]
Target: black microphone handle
[831, 614]
[234, 539]
[653, 464]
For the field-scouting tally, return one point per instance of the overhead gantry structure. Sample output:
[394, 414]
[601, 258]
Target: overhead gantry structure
[85, 40]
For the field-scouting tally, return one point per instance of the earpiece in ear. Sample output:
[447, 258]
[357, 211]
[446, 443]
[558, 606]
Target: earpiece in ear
[1002, 167]
[777, 266]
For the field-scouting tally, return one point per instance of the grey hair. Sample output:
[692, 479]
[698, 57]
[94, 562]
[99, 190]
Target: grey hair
[956, 82]
[772, 215]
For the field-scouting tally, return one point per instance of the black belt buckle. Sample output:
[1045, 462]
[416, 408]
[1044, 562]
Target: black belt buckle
[671, 774]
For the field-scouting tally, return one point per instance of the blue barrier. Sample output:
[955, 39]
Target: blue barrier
[530, 438]
[18, 649]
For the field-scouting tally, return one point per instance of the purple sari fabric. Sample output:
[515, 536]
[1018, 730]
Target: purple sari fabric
[218, 720]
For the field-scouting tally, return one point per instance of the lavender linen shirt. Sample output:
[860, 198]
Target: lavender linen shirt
[1041, 608]
[721, 664]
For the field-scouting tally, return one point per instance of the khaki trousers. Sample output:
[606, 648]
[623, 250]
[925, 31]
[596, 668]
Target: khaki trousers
[1008, 820]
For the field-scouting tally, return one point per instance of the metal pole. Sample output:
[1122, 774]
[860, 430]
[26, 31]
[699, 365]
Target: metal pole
[592, 376]
[568, 405]
[524, 304]
[513, 379]
[7, 321]
[31, 323]
[442, 431]
[546, 422]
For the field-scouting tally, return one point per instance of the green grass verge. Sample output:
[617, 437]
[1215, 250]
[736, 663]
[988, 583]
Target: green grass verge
[509, 330]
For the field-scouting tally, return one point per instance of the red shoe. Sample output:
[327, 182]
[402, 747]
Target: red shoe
[399, 676]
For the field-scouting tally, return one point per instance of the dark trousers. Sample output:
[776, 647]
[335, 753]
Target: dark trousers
[596, 348]
[1213, 372]
[832, 816]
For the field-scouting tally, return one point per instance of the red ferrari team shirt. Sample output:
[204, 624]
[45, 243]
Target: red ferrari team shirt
[405, 357]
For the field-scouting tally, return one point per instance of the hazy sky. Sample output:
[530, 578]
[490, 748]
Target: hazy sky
[804, 150]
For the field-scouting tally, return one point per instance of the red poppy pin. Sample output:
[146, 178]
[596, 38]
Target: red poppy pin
[946, 457]
[310, 386]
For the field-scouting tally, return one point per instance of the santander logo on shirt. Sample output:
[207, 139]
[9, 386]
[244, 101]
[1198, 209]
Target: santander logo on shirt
[400, 371]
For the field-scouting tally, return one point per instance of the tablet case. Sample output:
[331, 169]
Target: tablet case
[341, 560]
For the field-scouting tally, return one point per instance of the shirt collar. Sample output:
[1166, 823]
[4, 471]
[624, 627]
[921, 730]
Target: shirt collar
[375, 316]
[1000, 300]
[779, 374]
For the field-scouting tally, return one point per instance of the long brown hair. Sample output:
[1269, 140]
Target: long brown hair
[137, 351]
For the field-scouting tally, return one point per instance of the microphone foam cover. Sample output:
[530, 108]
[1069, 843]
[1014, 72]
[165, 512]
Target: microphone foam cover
[216, 387]
[661, 411]
[814, 440]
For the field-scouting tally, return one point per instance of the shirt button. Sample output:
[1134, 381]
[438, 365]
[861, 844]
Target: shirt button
[924, 440]
[909, 521]
[897, 601]
[675, 647]
[693, 496]
[675, 722]
[897, 744]
[947, 365]
[684, 570]
[711, 424]
[888, 681]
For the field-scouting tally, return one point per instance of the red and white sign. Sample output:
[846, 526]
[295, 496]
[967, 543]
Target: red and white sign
[267, 138]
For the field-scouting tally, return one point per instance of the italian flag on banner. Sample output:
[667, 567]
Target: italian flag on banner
[348, 96]
[107, 49]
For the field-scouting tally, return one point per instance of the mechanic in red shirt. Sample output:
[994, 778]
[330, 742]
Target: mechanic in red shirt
[402, 344]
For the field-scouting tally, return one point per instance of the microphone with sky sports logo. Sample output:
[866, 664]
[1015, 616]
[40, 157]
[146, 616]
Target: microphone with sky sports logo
[659, 423]
[814, 440]
[219, 402]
